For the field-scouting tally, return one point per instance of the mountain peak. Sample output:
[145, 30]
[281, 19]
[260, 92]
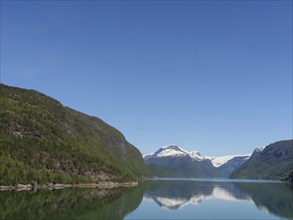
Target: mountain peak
[171, 150]
[259, 149]
[172, 146]
[174, 151]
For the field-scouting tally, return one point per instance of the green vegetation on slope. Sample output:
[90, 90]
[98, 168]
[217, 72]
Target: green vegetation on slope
[274, 162]
[43, 141]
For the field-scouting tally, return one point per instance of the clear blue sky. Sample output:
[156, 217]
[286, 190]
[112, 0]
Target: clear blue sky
[211, 76]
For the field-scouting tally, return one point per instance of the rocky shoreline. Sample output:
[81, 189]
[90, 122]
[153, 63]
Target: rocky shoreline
[50, 186]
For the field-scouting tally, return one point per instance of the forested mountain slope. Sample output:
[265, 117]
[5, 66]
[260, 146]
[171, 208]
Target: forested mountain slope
[43, 141]
[275, 161]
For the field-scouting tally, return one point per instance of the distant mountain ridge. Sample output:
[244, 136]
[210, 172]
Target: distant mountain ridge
[274, 161]
[174, 151]
[175, 159]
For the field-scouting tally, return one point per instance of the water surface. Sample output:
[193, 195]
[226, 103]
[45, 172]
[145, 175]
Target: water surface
[215, 199]
[156, 199]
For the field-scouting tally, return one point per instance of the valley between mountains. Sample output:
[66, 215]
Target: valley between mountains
[44, 142]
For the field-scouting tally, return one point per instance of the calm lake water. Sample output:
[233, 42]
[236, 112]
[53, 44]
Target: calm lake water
[156, 199]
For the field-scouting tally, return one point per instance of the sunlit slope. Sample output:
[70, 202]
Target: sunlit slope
[43, 141]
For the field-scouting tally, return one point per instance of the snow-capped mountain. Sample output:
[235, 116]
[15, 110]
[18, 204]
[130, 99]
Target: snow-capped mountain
[174, 151]
[174, 161]
[176, 158]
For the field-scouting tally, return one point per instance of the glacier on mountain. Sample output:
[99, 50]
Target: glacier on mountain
[219, 161]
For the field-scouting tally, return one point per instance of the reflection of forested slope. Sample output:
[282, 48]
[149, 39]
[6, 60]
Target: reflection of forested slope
[277, 198]
[70, 204]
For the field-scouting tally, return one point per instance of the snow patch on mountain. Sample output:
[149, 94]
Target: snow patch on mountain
[219, 161]
[259, 149]
[197, 156]
[174, 151]
[171, 152]
[147, 156]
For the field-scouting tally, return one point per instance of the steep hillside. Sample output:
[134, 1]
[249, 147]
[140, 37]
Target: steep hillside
[43, 141]
[275, 161]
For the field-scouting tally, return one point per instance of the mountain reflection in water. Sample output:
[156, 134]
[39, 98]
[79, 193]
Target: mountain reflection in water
[273, 200]
[276, 198]
[174, 195]
[178, 199]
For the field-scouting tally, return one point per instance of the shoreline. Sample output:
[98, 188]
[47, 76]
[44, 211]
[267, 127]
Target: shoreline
[51, 186]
